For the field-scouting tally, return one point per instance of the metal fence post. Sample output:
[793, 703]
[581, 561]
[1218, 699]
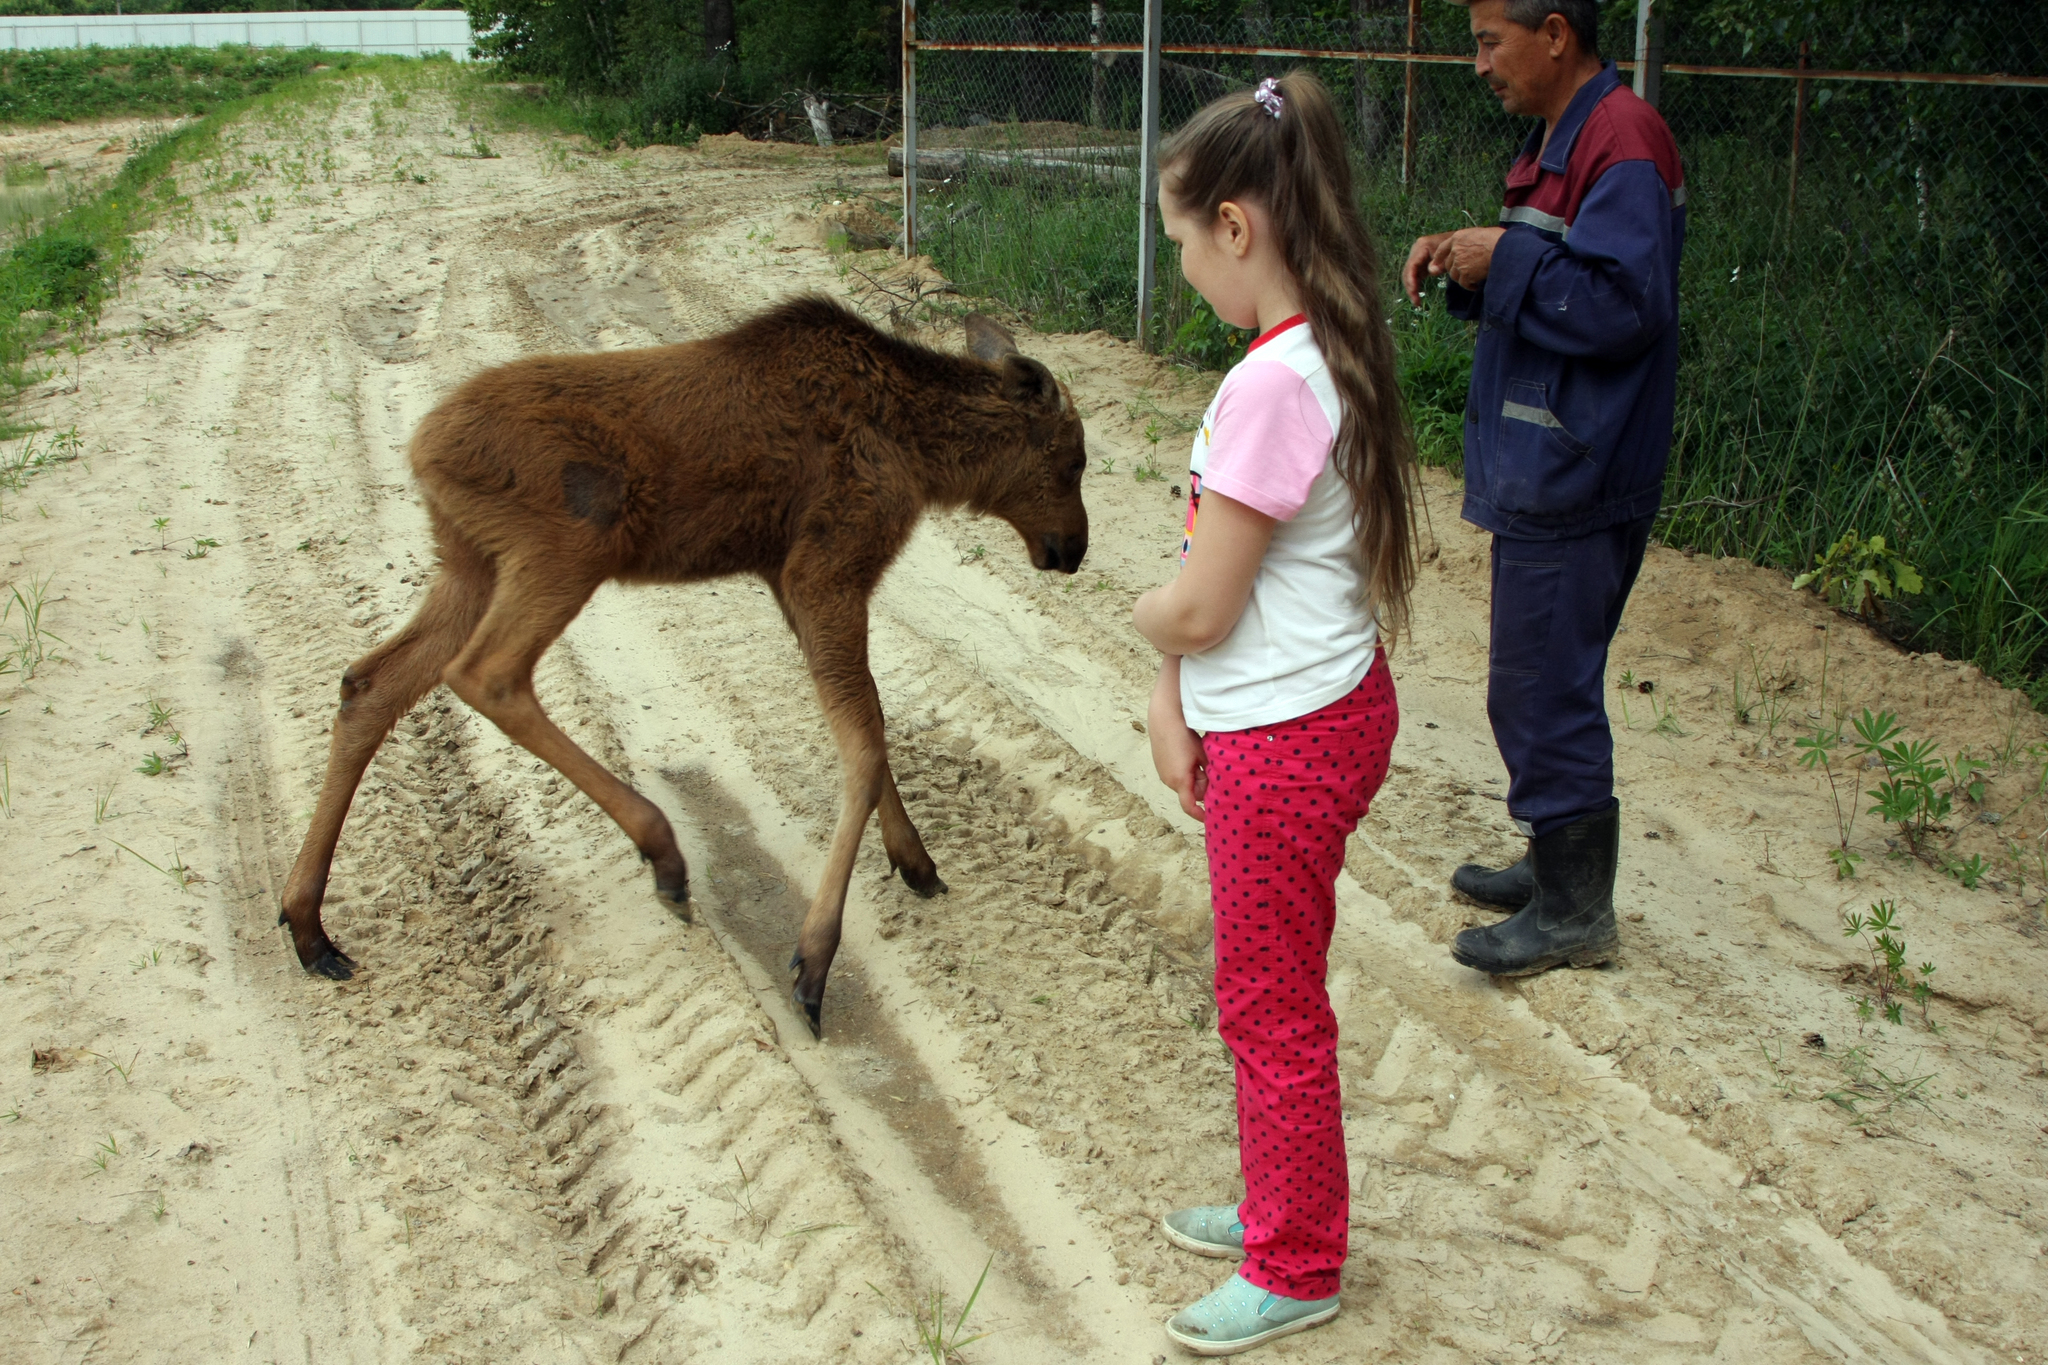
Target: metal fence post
[1148, 175]
[909, 128]
[1798, 125]
[1408, 98]
[1649, 51]
[1098, 85]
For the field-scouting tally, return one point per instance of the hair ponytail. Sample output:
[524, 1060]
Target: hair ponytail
[1296, 165]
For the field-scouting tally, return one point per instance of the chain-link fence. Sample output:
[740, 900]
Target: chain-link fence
[1864, 290]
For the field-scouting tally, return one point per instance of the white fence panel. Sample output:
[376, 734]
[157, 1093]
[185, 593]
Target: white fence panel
[405, 33]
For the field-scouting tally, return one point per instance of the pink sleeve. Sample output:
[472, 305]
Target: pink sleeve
[1270, 440]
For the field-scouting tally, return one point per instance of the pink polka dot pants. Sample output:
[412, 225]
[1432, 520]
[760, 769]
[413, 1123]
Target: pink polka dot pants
[1282, 800]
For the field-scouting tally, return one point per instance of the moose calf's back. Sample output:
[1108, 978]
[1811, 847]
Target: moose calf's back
[706, 458]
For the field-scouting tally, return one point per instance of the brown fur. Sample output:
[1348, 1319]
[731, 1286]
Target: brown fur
[801, 447]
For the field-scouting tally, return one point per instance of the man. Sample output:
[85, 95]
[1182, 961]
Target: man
[1566, 433]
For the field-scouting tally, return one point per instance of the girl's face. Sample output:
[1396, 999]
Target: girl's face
[1222, 259]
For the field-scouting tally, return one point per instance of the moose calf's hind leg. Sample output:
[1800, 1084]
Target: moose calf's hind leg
[903, 844]
[494, 674]
[376, 690]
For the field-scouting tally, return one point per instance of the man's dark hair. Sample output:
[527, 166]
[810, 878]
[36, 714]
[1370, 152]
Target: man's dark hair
[1582, 15]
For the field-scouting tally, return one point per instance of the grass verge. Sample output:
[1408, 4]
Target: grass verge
[55, 279]
[65, 85]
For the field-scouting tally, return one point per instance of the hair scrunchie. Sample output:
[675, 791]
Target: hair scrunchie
[1268, 96]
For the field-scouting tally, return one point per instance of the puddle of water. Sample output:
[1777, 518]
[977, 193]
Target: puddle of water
[743, 887]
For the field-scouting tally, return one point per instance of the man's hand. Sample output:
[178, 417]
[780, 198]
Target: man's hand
[1420, 257]
[1467, 255]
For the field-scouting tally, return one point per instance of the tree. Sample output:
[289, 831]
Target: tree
[719, 31]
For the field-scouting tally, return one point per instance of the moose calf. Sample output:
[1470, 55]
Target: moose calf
[801, 447]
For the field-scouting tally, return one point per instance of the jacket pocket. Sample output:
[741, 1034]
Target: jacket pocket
[1541, 468]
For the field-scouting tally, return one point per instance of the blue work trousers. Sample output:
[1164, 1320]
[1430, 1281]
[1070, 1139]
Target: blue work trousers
[1556, 604]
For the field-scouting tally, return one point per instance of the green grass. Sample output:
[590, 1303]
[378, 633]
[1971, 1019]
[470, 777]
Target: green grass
[63, 85]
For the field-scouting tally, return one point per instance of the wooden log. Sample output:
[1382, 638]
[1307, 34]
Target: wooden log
[1009, 166]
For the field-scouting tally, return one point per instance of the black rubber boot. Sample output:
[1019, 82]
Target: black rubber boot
[1570, 918]
[1503, 888]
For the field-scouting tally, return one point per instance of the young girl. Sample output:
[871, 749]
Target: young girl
[1274, 714]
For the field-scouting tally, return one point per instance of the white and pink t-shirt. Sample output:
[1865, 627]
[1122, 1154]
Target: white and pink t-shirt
[1306, 637]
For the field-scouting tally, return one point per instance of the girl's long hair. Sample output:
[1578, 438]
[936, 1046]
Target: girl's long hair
[1296, 166]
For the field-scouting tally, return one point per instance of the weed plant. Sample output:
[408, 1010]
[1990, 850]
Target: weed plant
[1863, 1083]
[938, 1340]
[1920, 786]
[1867, 1084]
[1892, 983]
[30, 650]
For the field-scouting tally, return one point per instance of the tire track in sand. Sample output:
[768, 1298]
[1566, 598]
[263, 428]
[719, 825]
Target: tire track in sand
[516, 1174]
[698, 1053]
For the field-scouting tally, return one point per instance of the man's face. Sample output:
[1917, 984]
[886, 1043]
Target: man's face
[1517, 62]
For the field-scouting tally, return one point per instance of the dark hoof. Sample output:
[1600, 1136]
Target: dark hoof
[811, 1008]
[671, 878]
[677, 897]
[334, 964]
[927, 883]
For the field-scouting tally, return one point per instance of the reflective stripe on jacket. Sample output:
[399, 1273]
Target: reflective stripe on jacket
[1575, 377]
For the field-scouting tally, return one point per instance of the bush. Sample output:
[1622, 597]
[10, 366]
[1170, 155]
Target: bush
[680, 100]
[55, 270]
[1208, 340]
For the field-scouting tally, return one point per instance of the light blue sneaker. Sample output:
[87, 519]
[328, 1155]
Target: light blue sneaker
[1239, 1315]
[1212, 1230]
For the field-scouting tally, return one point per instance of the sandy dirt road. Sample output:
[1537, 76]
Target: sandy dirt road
[550, 1121]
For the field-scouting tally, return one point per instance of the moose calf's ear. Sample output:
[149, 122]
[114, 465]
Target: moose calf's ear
[988, 339]
[1029, 384]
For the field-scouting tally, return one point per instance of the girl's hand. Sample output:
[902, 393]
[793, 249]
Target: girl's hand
[1197, 610]
[1176, 750]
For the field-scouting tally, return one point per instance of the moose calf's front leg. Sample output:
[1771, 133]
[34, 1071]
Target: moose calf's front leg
[827, 607]
[818, 941]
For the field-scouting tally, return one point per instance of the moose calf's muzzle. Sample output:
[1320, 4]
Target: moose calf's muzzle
[1062, 552]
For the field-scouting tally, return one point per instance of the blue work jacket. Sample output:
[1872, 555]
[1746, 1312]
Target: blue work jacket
[1575, 377]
